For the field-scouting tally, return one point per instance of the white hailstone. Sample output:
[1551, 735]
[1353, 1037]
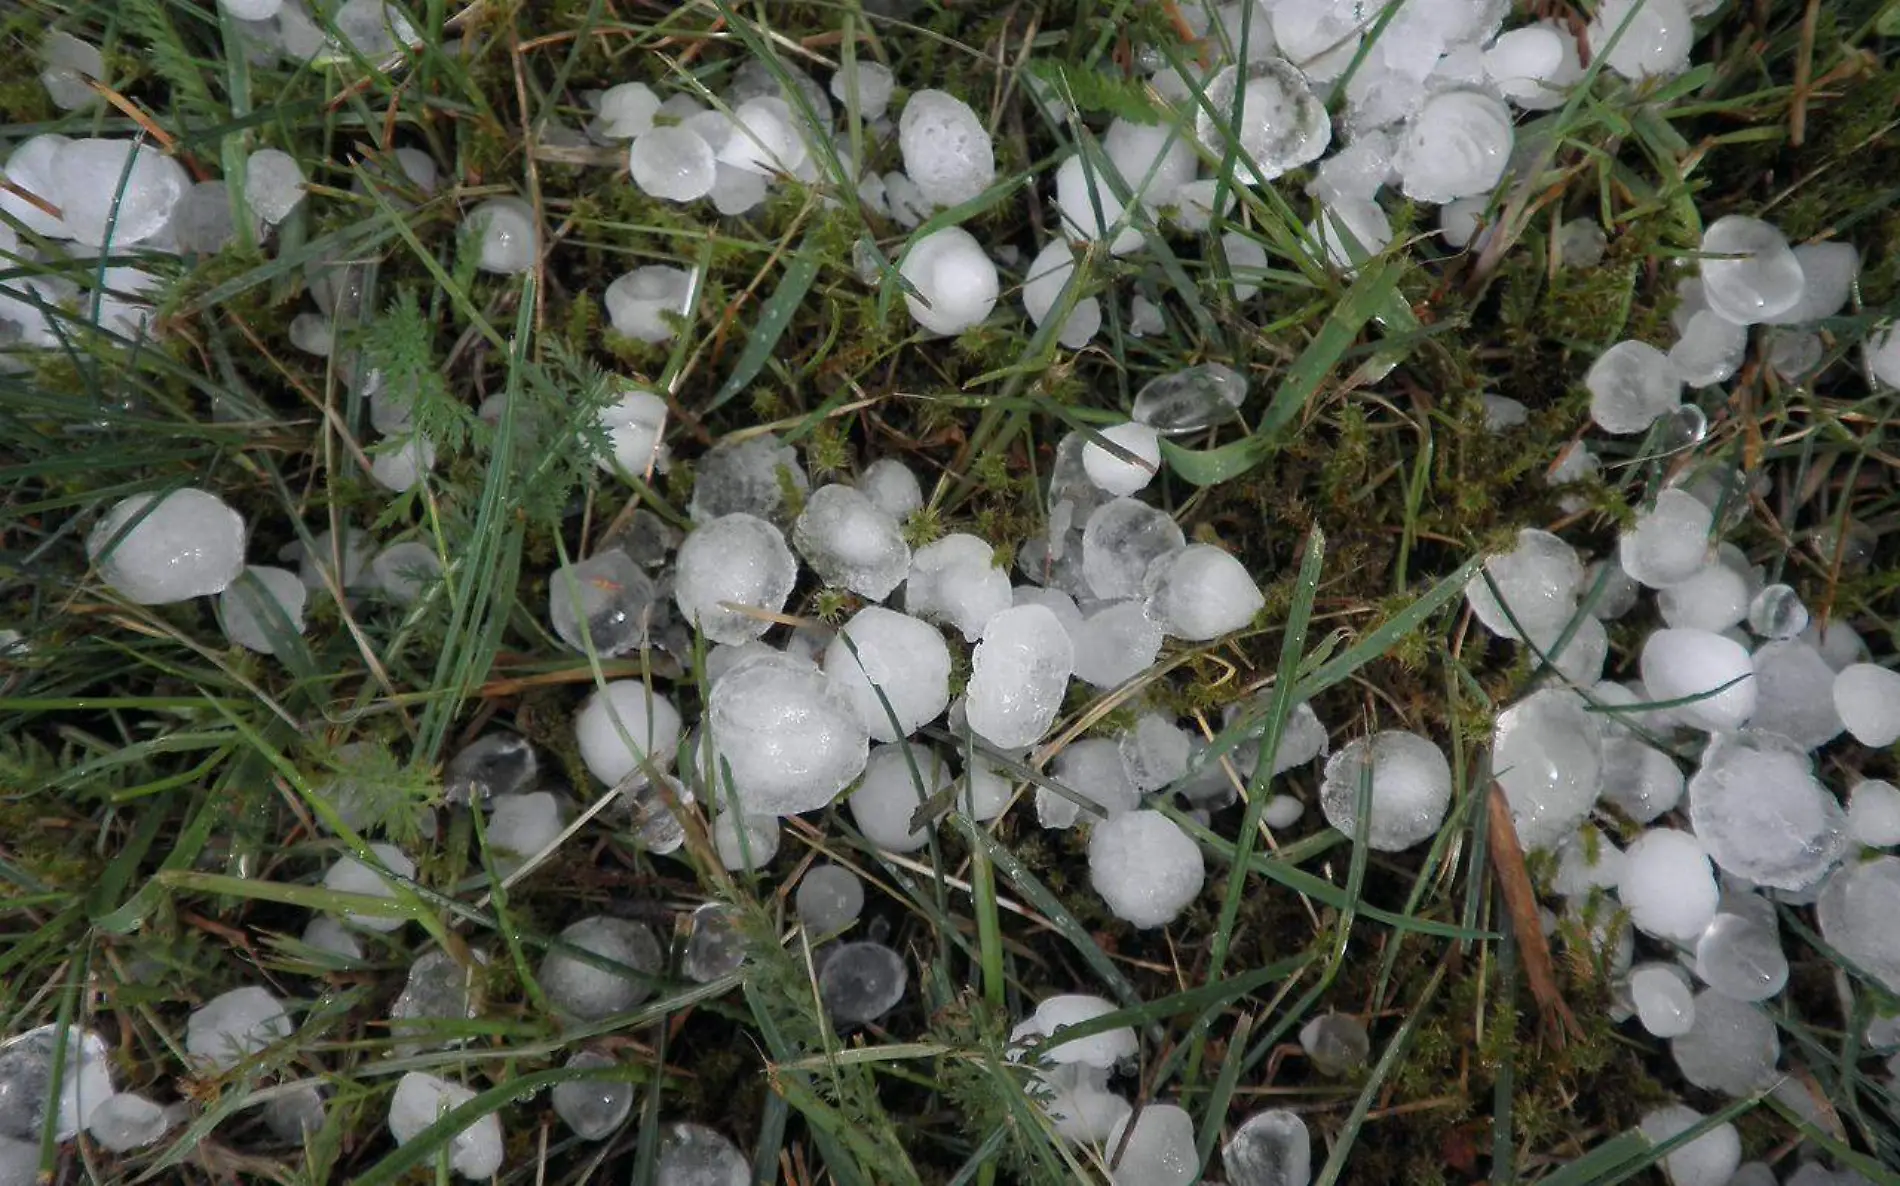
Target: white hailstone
[1103, 1050]
[1537, 582]
[69, 63]
[905, 659]
[1019, 672]
[765, 138]
[1092, 771]
[30, 170]
[325, 559]
[1144, 317]
[1670, 541]
[790, 738]
[1115, 644]
[745, 842]
[403, 571]
[1532, 66]
[371, 27]
[1732, 1048]
[127, 1121]
[624, 727]
[399, 463]
[421, 1099]
[1408, 783]
[1121, 542]
[202, 225]
[694, 1155]
[864, 87]
[985, 790]
[736, 559]
[850, 543]
[627, 111]
[1145, 867]
[273, 184]
[673, 163]
[113, 189]
[908, 205]
[1642, 781]
[1795, 355]
[1632, 384]
[523, 825]
[1740, 956]
[1283, 811]
[1856, 912]
[1194, 203]
[1793, 694]
[312, 334]
[26, 1075]
[1873, 813]
[330, 935]
[1457, 146]
[829, 899]
[1358, 171]
[1157, 1148]
[1828, 272]
[1776, 612]
[892, 488]
[954, 581]
[592, 1108]
[351, 876]
[1749, 273]
[1271, 1148]
[736, 191]
[509, 240]
[1709, 1160]
[861, 982]
[1667, 885]
[1201, 593]
[1587, 860]
[898, 780]
[947, 150]
[1246, 264]
[1271, 116]
[1043, 283]
[1092, 209]
[1617, 593]
[1839, 643]
[956, 282]
[1351, 231]
[228, 1029]
[635, 426]
[261, 607]
[642, 303]
[1664, 1004]
[580, 988]
[1154, 753]
[1190, 399]
[1655, 36]
[1547, 756]
[1154, 160]
[1710, 349]
[604, 604]
[1120, 476]
[1715, 598]
[158, 549]
[1581, 243]
[1868, 701]
[1711, 674]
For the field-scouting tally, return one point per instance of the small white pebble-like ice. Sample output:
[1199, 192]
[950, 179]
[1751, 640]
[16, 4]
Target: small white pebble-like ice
[1749, 273]
[1664, 1004]
[1868, 701]
[1538, 582]
[592, 1108]
[1270, 1148]
[262, 607]
[850, 543]
[1710, 349]
[1048, 274]
[114, 191]
[1201, 593]
[1631, 384]
[1709, 1160]
[273, 184]
[829, 899]
[627, 111]
[1732, 1047]
[1121, 541]
[421, 1099]
[892, 487]
[1269, 113]
[1873, 813]
[1667, 885]
[351, 876]
[1670, 541]
[1456, 146]
[1092, 208]
[900, 656]
[1145, 867]
[955, 280]
[509, 238]
[1547, 756]
[1019, 672]
[157, 549]
[864, 87]
[861, 982]
[673, 163]
[730, 563]
[1740, 956]
[127, 1121]
[790, 737]
[694, 1155]
[897, 780]
[1120, 475]
[745, 842]
[1409, 785]
[1190, 399]
[641, 303]
[227, 1029]
[1157, 1148]
[584, 989]
[1712, 675]
[947, 149]
[624, 725]
[1655, 37]
[1856, 912]
[954, 581]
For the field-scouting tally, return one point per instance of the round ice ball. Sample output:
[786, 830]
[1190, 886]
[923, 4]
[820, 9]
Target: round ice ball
[650, 723]
[1121, 476]
[1631, 384]
[261, 606]
[1410, 789]
[1280, 124]
[947, 150]
[1749, 273]
[1145, 867]
[1455, 147]
[641, 302]
[956, 282]
[736, 559]
[1654, 42]
[188, 543]
[1201, 593]
[510, 238]
[897, 655]
[1868, 701]
[1712, 674]
[115, 189]
[897, 781]
[673, 163]
[1668, 886]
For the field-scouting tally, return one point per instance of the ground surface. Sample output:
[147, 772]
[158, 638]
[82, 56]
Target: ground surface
[154, 834]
